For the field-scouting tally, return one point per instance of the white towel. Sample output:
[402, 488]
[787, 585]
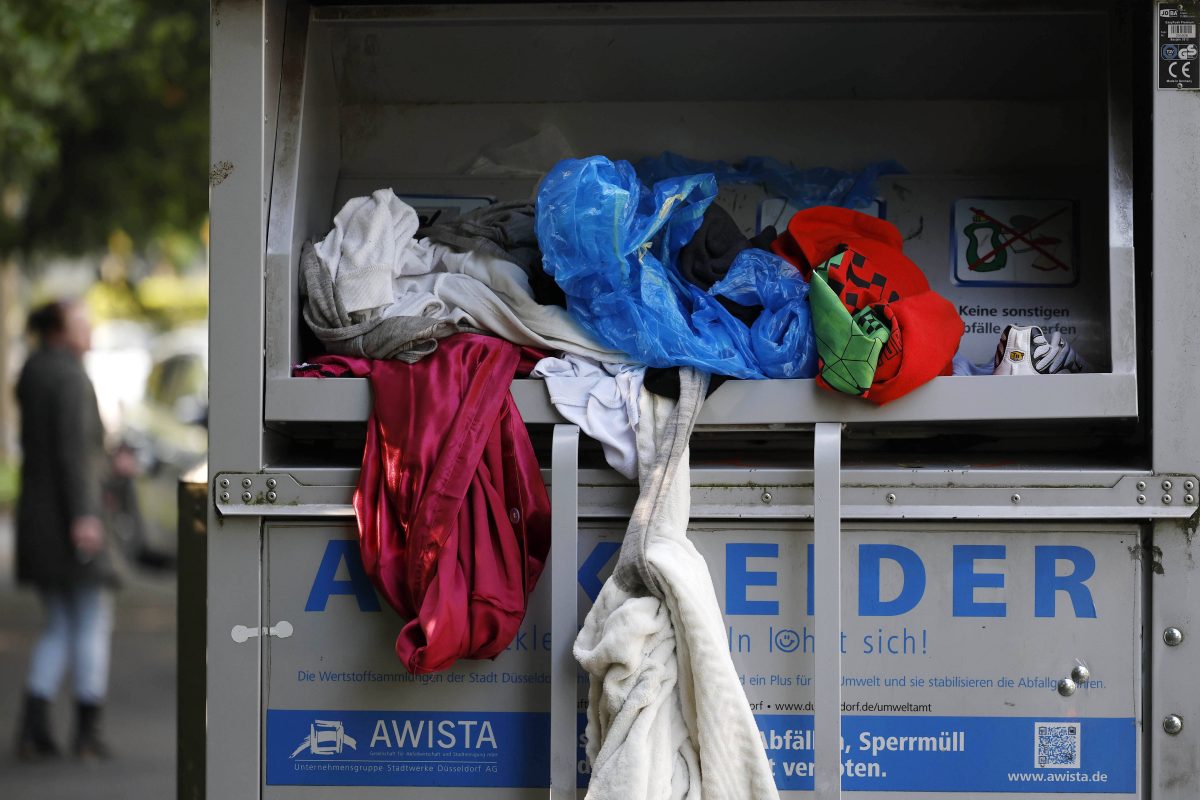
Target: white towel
[368, 246]
[667, 716]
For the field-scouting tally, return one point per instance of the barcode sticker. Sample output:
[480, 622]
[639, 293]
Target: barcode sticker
[1056, 745]
[1181, 30]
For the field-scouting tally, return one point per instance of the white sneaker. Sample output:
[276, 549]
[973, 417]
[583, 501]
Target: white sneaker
[1025, 350]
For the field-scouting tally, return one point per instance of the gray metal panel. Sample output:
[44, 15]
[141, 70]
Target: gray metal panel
[274, 19]
[781, 402]
[564, 560]
[1176, 599]
[1176, 219]
[827, 666]
[306, 159]
[1176, 436]
[939, 59]
[236, 254]
[236, 280]
[281, 276]
[710, 9]
[725, 493]
[1120, 133]
[343, 637]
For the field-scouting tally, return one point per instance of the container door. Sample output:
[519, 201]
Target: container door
[343, 716]
[956, 640]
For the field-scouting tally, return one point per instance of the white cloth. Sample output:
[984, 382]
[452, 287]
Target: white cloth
[379, 270]
[602, 399]
[667, 716]
[367, 247]
[416, 304]
[494, 295]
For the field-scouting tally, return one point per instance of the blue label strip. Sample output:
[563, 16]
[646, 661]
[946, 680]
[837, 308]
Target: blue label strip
[388, 748]
[962, 754]
[879, 753]
[954, 754]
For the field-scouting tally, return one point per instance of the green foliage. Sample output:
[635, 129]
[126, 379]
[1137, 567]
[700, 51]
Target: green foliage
[103, 122]
[10, 482]
[41, 43]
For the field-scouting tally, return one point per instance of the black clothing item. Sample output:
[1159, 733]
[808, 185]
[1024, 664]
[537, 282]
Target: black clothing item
[89, 744]
[34, 739]
[706, 259]
[503, 230]
[62, 471]
[664, 382]
[545, 290]
[747, 314]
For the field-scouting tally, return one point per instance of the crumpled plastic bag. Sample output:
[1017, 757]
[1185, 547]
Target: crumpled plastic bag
[803, 188]
[612, 245]
[782, 337]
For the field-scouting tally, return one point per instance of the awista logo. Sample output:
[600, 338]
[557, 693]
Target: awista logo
[325, 738]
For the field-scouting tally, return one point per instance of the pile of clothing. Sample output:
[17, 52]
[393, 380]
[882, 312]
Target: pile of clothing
[666, 276]
[630, 301]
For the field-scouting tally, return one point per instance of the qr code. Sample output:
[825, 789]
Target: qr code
[1056, 745]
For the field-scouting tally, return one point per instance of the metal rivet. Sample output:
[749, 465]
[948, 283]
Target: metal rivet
[1166, 498]
[1067, 687]
[1189, 485]
[766, 497]
[1141, 498]
[246, 483]
[1189, 499]
[1141, 486]
[891, 498]
[514, 515]
[224, 483]
[1081, 674]
[1166, 486]
[1173, 637]
[272, 483]
[1016, 498]
[271, 497]
[247, 497]
[224, 497]
[1172, 723]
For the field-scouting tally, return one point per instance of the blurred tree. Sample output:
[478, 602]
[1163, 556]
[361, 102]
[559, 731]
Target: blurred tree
[103, 128]
[103, 122]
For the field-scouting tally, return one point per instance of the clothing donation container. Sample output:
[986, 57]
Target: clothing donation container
[981, 589]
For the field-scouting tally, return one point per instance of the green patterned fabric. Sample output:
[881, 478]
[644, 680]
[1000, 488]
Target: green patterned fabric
[849, 345]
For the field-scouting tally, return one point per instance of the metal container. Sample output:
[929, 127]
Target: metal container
[945, 595]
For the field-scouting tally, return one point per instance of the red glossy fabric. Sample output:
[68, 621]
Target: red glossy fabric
[453, 516]
[925, 328]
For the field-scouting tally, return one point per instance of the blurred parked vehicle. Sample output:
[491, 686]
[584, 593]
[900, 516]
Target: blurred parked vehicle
[159, 435]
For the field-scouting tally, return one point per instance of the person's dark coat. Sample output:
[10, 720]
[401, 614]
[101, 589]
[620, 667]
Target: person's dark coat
[63, 467]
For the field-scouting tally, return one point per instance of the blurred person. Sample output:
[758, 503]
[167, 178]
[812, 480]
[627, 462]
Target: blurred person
[61, 542]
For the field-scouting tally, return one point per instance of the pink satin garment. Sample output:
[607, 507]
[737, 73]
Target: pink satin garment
[453, 516]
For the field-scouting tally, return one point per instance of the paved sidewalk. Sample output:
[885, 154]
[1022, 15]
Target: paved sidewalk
[140, 716]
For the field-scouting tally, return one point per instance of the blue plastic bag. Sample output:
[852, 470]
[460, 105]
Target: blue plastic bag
[782, 337]
[612, 244]
[803, 188]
